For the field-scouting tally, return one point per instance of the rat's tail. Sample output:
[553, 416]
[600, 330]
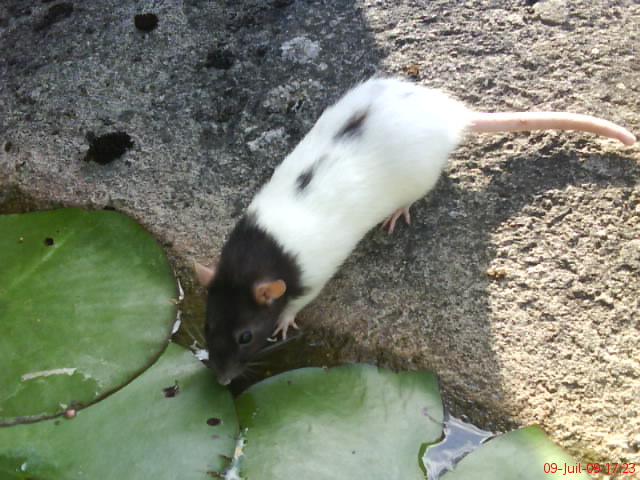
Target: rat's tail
[524, 121]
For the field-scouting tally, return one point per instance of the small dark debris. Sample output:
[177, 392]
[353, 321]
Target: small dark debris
[146, 22]
[48, 242]
[106, 148]
[295, 132]
[215, 474]
[220, 59]
[172, 391]
[54, 14]
[8, 146]
[294, 105]
[353, 452]
[213, 422]
[262, 50]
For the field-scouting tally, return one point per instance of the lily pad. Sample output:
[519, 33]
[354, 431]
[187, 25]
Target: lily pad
[525, 454]
[87, 301]
[173, 421]
[354, 421]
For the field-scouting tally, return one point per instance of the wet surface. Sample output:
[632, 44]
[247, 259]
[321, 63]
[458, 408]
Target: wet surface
[460, 439]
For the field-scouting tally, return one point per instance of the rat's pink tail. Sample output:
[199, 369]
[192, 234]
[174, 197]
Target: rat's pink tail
[523, 121]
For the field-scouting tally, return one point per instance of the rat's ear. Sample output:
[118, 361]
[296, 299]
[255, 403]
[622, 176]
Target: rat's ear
[205, 274]
[266, 292]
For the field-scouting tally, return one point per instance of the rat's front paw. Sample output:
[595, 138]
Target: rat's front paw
[284, 322]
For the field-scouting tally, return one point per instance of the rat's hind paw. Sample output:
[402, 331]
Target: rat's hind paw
[390, 222]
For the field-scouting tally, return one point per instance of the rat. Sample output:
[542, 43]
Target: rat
[372, 154]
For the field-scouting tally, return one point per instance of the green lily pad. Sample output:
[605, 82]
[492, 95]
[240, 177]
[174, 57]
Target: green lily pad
[85, 306]
[354, 421]
[525, 454]
[172, 422]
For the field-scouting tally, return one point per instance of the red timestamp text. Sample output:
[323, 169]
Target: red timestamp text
[605, 468]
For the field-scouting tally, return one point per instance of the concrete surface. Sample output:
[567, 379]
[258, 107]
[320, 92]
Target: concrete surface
[518, 280]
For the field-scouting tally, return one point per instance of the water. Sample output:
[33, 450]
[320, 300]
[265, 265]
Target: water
[460, 439]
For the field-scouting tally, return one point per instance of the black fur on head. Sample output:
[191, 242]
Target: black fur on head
[237, 324]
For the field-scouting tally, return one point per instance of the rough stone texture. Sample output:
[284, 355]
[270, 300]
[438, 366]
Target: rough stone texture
[518, 280]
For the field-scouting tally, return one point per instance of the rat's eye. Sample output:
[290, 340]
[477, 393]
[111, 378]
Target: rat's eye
[245, 337]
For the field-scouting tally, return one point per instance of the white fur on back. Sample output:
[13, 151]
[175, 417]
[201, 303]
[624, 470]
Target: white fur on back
[405, 139]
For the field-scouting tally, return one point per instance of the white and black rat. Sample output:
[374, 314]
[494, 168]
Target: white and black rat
[368, 157]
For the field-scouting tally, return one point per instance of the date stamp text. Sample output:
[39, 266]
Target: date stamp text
[605, 468]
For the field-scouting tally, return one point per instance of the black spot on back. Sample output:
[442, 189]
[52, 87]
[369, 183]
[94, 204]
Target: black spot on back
[353, 127]
[304, 179]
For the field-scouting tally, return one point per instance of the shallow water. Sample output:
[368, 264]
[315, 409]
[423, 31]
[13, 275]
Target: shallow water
[460, 439]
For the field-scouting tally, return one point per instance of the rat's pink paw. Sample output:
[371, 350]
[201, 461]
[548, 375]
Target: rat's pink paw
[284, 323]
[390, 222]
